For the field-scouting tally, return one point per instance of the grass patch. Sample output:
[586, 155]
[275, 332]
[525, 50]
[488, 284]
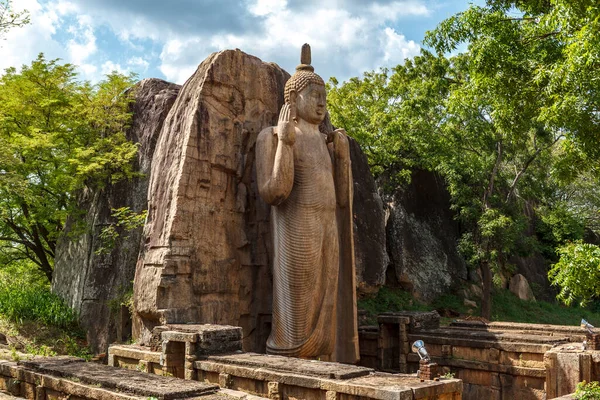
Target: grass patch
[36, 321]
[395, 299]
[21, 303]
[508, 307]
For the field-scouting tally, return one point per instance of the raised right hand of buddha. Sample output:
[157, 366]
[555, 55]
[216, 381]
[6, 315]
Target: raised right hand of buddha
[286, 128]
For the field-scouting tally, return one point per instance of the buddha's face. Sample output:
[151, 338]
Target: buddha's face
[311, 103]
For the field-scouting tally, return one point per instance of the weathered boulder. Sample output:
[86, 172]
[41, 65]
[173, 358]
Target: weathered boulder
[422, 236]
[207, 244]
[369, 225]
[520, 287]
[93, 283]
[206, 251]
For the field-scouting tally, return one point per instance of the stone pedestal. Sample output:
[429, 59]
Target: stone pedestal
[593, 341]
[428, 370]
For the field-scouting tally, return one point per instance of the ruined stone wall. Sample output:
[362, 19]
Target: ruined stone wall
[495, 361]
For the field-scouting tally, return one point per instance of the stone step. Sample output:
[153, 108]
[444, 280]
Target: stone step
[322, 369]
[124, 380]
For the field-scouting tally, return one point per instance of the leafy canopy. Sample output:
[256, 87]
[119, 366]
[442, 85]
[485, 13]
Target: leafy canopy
[9, 18]
[511, 124]
[58, 136]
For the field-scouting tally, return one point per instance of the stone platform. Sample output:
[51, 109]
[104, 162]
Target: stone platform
[204, 353]
[279, 377]
[73, 378]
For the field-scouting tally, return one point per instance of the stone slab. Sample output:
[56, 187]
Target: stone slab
[417, 320]
[4, 396]
[518, 347]
[497, 336]
[134, 352]
[484, 366]
[376, 385]
[121, 379]
[544, 329]
[294, 365]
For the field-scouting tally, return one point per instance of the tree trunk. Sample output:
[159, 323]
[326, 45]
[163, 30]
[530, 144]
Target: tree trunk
[486, 300]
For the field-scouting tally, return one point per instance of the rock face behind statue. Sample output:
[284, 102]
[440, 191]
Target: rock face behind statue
[206, 249]
[92, 281]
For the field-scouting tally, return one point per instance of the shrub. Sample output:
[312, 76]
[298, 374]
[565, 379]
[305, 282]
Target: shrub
[29, 302]
[588, 391]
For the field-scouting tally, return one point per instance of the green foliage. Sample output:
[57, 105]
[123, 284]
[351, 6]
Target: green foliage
[448, 375]
[395, 299]
[587, 391]
[9, 18]
[389, 299]
[505, 307]
[508, 307]
[123, 299]
[510, 124]
[58, 137]
[577, 273]
[125, 220]
[19, 302]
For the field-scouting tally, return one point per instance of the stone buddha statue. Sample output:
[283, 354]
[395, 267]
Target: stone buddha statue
[305, 176]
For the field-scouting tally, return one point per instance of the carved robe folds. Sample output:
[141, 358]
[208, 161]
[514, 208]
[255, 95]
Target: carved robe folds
[314, 301]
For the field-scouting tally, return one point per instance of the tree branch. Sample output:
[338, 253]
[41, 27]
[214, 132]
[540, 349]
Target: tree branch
[490, 189]
[527, 164]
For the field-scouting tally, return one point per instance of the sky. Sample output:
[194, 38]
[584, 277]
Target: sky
[168, 39]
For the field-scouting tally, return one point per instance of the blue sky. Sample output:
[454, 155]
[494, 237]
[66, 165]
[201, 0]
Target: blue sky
[168, 38]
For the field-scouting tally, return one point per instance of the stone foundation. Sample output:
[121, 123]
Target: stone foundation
[495, 361]
[72, 378]
[194, 354]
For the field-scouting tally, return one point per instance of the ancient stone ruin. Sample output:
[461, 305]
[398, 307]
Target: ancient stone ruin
[200, 140]
[202, 272]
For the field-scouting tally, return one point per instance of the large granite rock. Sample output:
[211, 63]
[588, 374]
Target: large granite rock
[207, 245]
[422, 236]
[206, 241]
[370, 251]
[520, 287]
[94, 284]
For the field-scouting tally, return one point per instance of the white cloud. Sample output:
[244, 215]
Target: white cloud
[180, 58]
[397, 48]
[397, 9]
[83, 44]
[344, 43]
[138, 63]
[265, 7]
[110, 67]
[22, 45]
[348, 37]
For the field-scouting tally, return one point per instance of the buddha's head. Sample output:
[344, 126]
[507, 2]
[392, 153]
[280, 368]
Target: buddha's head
[306, 90]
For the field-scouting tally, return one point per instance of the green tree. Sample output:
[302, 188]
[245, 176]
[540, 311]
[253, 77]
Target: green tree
[9, 18]
[58, 136]
[479, 132]
[494, 121]
[577, 273]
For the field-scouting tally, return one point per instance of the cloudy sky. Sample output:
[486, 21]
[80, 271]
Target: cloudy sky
[168, 38]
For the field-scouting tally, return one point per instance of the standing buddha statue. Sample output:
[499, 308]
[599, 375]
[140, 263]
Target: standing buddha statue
[305, 176]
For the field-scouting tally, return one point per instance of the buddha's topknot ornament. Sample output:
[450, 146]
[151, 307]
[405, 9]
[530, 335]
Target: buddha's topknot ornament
[303, 76]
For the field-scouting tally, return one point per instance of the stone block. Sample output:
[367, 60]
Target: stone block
[593, 341]
[174, 336]
[274, 391]
[418, 320]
